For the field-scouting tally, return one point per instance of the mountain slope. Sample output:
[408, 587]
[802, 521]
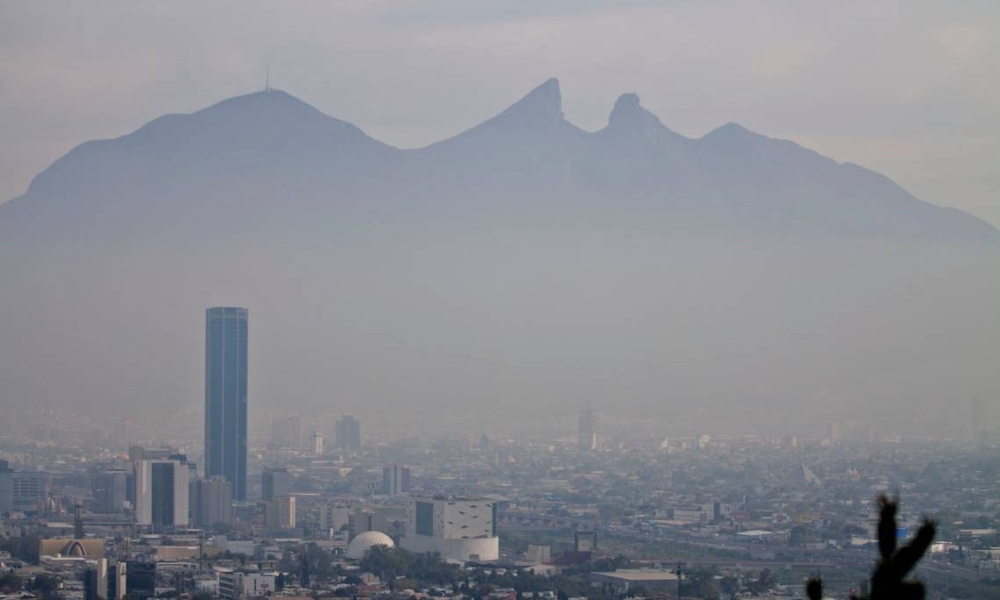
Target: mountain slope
[245, 160]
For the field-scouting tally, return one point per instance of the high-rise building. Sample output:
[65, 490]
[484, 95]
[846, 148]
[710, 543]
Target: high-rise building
[348, 433]
[317, 443]
[105, 581]
[395, 480]
[275, 482]
[226, 341]
[137, 453]
[161, 493]
[25, 491]
[110, 490]
[588, 438]
[211, 501]
[117, 579]
[95, 581]
[280, 513]
[6, 487]
[286, 432]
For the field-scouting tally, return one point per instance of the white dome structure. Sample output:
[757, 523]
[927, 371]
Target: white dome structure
[360, 545]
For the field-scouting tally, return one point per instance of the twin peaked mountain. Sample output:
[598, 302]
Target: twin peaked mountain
[269, 163]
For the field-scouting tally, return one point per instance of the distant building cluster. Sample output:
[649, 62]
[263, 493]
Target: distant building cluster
[288, 516]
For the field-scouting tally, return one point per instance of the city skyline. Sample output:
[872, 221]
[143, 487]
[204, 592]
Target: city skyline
[632, 300]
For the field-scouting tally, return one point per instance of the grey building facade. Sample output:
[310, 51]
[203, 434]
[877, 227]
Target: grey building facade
[275, 482]
[211, 501]
[348, 433]
[110, 490]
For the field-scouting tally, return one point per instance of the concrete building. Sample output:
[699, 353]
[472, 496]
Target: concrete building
[105, 581]
[334, 516]
[110, 491]
[584, 541]
[6, 487]
[29, 490]
[117, 580]
[161, 493]
[95, 581]
[234, 585]
[361, 521]
[459, 528]
[395, 480]
[348, 433]
[317, 443]
[539, 553]
[280, 513]
[275, 482]
[226, 345]
[24, 491]
[211, 501]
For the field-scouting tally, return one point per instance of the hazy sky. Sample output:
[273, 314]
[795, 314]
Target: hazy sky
[909, 88]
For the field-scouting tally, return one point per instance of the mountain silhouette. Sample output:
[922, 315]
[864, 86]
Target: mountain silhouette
[268, 162]
[504, 275]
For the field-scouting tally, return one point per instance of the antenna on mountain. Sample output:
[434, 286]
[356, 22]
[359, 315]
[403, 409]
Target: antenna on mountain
[267, 79]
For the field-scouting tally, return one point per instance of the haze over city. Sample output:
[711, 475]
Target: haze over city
[525, 265]
[499, 300]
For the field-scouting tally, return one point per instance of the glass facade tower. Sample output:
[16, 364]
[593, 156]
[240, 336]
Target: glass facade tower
[226, 334]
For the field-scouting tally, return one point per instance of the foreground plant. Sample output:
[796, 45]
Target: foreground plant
[889, 579]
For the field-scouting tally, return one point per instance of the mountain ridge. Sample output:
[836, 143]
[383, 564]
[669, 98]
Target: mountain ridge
[527, 163]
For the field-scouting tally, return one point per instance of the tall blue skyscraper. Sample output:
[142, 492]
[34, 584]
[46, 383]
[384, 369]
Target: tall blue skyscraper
[226, 332]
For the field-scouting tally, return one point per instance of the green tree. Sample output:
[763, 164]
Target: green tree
[729, 587]
[46, 586]
[701, 584]
[387, 563]
[764, 581]
[10, 583]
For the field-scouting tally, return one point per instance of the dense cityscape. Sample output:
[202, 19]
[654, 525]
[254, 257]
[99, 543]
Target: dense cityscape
[283, 505]
[499, 300]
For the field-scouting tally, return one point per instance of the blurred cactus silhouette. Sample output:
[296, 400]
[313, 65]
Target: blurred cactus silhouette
[888, 581]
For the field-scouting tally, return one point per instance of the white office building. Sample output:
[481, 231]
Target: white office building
[234, 585]
[161, 493]
[458, 527]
